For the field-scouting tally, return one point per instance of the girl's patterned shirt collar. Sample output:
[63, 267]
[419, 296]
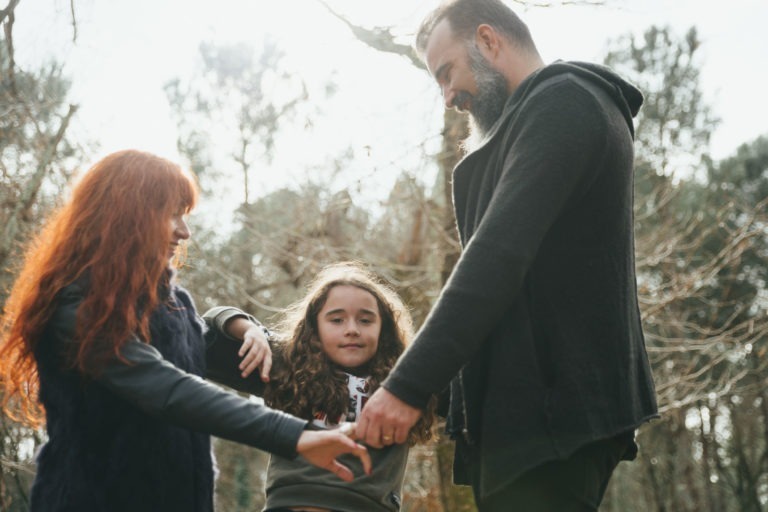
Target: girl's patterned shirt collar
[359, 391]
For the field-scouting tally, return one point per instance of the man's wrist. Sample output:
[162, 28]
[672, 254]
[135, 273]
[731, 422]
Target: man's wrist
[406, 392]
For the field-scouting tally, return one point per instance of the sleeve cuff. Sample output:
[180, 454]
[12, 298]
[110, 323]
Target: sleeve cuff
[406, 391]
[288, 430]
[218, 317]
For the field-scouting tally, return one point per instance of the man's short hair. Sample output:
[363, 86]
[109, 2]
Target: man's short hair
[464, 16]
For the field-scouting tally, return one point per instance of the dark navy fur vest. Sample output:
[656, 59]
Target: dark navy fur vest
[105, 454]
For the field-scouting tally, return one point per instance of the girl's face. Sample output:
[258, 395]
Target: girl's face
[179, 231]
[349, 325]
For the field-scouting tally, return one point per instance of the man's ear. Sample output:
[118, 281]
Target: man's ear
[487, 39]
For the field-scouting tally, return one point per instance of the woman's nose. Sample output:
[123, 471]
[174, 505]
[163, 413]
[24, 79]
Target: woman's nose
[181, 229]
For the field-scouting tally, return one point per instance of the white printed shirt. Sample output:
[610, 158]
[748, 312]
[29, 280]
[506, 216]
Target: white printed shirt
[359, 391]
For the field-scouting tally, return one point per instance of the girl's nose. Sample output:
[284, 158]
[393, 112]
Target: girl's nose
[352, 329]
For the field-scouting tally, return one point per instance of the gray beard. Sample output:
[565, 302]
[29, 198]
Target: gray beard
[492, 94]
[475, 137]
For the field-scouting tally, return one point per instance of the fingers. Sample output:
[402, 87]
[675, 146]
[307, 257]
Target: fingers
[369, 431]
[364, 457]
[356, 449]
[388, 435]
[400, 435]
[362, 427]
[386, 420]
[252, 359]
[256, 353]
[374, 440]
[266, 366]
[341, 471]
[377, 433]
[322, 447]
[253, 337]
[348, 429]
[248, 341]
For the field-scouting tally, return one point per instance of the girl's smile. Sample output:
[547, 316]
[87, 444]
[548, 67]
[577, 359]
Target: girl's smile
[349, 326]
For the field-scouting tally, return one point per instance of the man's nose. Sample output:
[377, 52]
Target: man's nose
[448, 96]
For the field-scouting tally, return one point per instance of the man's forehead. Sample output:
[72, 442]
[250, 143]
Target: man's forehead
[440, 46]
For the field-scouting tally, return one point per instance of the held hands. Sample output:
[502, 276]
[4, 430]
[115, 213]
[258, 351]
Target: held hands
[386, 420]
[322, 447]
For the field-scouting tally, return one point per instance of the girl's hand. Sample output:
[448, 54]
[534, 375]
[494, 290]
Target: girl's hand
[256, 352]
[321, 448]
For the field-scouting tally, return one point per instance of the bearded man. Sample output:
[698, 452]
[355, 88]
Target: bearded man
[537, 331]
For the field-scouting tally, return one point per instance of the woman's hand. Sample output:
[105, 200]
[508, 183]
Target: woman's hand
[256, 352]
[322, 447]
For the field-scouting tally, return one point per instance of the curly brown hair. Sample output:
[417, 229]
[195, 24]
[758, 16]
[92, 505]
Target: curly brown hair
[305, 382]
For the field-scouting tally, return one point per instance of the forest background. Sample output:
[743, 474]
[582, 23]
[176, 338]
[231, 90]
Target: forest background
[304, 162]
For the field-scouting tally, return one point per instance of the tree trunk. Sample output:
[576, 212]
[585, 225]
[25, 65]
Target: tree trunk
[455, 498]
[455, 130]
[31, 189]
[707, 446]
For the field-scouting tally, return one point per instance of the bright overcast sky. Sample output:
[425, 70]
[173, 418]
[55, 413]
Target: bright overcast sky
[127, 49]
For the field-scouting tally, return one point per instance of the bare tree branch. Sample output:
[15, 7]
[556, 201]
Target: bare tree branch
[379, 38]
[74, 21]
[33, 186]
[8, 11]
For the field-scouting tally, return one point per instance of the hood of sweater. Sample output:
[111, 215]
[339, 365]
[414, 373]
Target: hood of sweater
[627, 97]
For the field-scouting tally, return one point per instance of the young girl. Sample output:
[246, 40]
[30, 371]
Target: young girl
[97, 332]
[341, 341]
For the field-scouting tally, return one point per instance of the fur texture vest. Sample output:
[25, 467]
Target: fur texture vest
[104, 454]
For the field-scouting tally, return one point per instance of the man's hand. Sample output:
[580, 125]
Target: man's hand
[321, 448]
[385, 420]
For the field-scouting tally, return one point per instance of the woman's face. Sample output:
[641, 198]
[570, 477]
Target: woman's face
[179, 231]
[349, 325]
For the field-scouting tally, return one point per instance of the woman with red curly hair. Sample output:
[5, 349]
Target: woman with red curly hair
[98, 333]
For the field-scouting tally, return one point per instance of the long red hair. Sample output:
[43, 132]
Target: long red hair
[114, 230]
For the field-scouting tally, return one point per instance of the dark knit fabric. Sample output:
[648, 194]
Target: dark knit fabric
[538, 325]
[106, 455]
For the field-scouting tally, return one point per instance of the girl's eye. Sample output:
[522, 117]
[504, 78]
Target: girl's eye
[336, 320]
[366, 320]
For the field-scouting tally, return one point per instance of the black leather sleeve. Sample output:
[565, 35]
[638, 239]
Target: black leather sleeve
[162, 390]
[222, 359]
